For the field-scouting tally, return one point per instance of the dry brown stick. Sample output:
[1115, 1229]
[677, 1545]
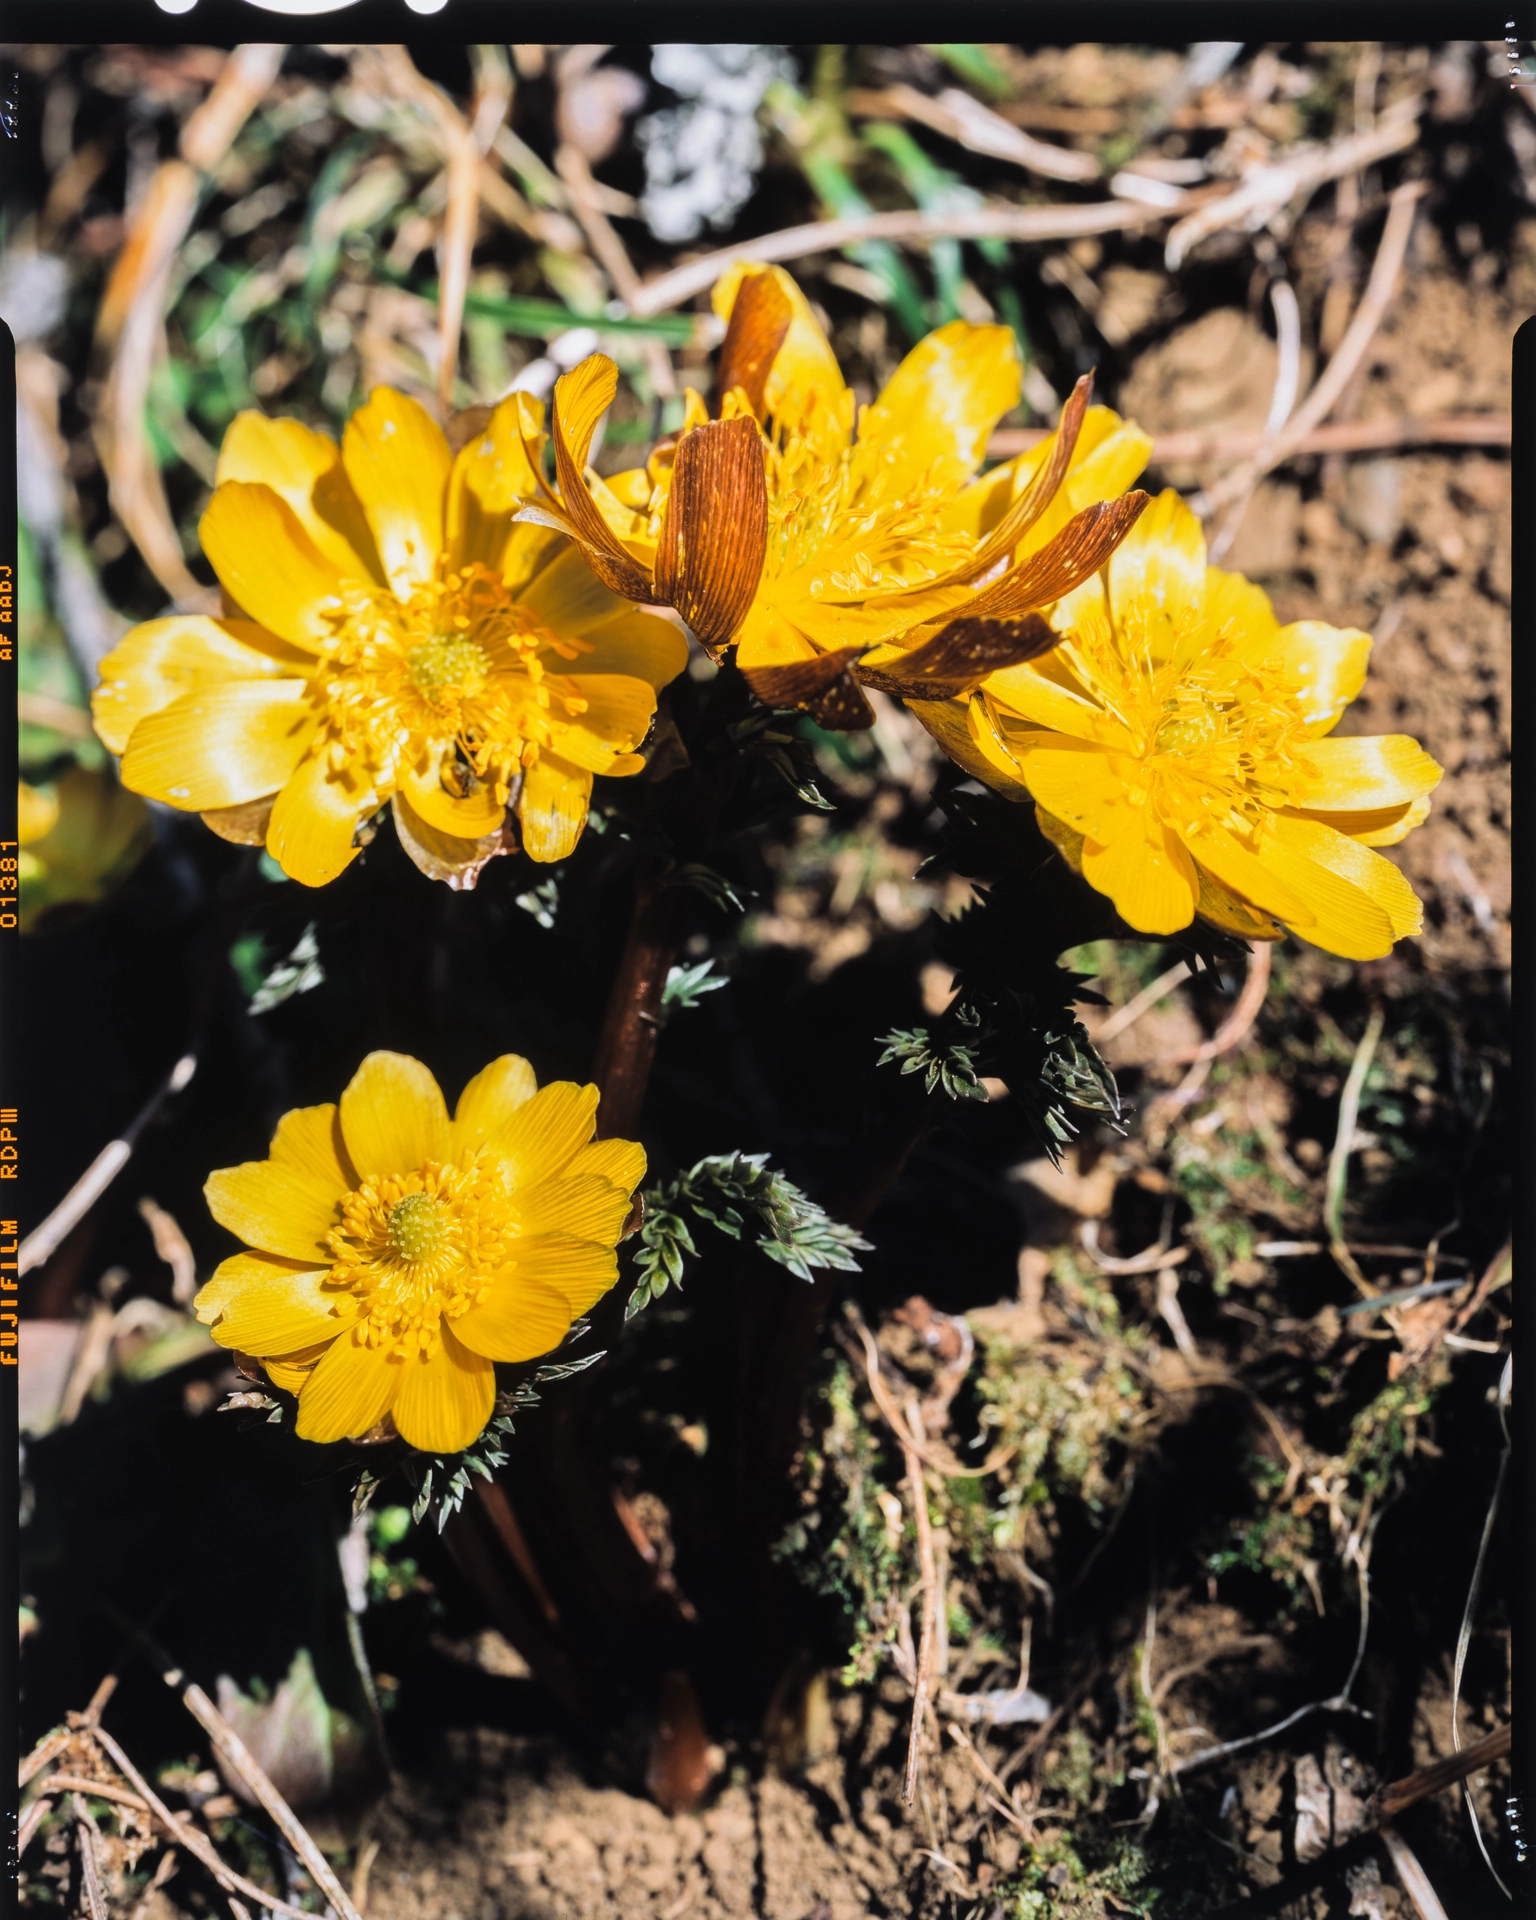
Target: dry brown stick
[1414, 1880]
[131, 319]
[1123, 1017]
[922, 1688]
[184, 1834]
[31, 1820]
[1338, 1160]
[93, 1895]
[913, 228]
[914, 1441]
[103, 1790]
[1238, 1021]
[999, 1787]
[1373, 309]
[571, 165]
[240, 1760]
[1274, 187]
[1391, 1800]
[1336, 436]
[48, 1748]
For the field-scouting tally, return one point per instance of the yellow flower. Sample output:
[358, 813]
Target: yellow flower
[398, 1252]
[392, 636]
[1176, 745]
[809, 530]
[79, 835]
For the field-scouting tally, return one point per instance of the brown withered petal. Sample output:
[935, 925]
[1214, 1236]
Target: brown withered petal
[442, 856]
[843, 707]
[1077, 552]
[961, 655]
[1036, 497]
[822, 687]
[244, 826]
[580, 400]
[759, 321]
[709, 555]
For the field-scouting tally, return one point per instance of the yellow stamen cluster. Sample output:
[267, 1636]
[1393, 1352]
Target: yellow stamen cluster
[419, 1248]
[454, 672]
[822, 510]
[1214, 747]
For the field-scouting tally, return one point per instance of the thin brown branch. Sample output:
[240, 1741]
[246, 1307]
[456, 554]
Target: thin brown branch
[1412, 1877]
[103, 1790]
[922, 1689]
[912, 1439]
[1238, 1021]
[1269, 189]
[48, 1748]
[999, 1787]
[913, 228]
[1390, 1801]
[184, 1834]
[93, 1895]
[31, 1820]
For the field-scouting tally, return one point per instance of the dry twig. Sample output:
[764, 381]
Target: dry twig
[1339, 436]
[922, 1688]
[1343, 1142]
[1239, 1020]
[913, 228]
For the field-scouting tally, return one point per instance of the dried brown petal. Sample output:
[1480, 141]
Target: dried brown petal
[961, 655]
[714, 535]
[760, 320]
[580, 400]
[1075, 555]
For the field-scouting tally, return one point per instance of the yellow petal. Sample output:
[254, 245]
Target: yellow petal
[621, 1161]
[1040, 698]
[445, 1400]
[1361, 902]
[470, 818]
[1067, 841]
[310, 834]
[393, 1117]
[1147, 872]
[1235, 606]
[616, 718]
[276, 1207]
[950, 724]
[518, 1319]
[268, 564]
[293, 1369]
[539, 1139]
[1325, 665]
[1160, 563]
[580, 1271]
[568, 596]
[1250, 876]
[529, 550]
[939, 407]
[398, 463]
[635, 644]
[259, 1307]
[221, 746]
[1225, 909]
[768, 638]
[1384, 828]
[1107, 460]
[349, 1391]
[1077, 782]
[552, 808]
[805, 368]
[310, 1138]
[1342, 776]
[490, 1099]
[491, 477]
[304, 468]
[160, 661]
[586, 1207]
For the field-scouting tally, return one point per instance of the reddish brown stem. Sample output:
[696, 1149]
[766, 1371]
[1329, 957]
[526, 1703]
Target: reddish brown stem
[626, 1047]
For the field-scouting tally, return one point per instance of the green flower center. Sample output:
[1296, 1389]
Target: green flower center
[448, 663]
[418, 1226]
